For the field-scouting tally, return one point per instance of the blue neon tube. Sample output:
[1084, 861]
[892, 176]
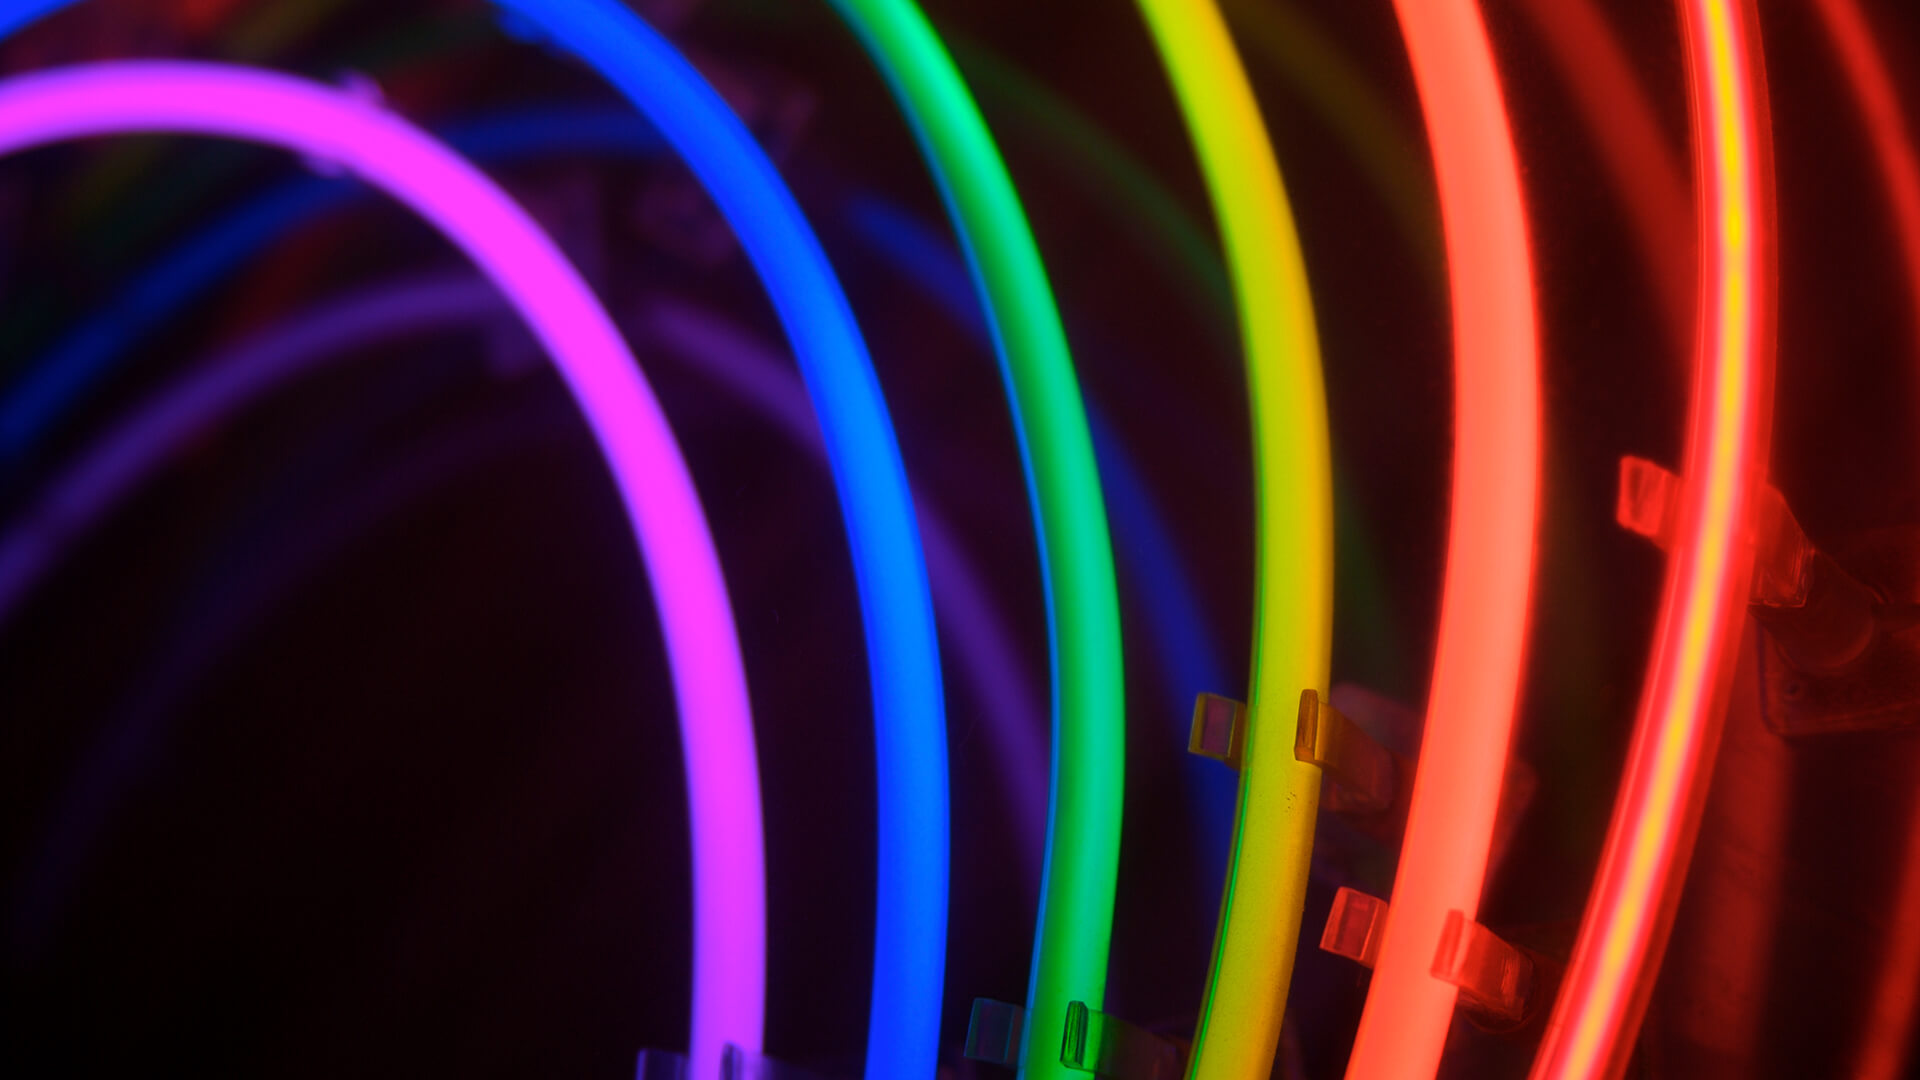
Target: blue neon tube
[910, 739]
[1087, 781]
[902, 649]
[77, 364]
[1145, 547]
[1146, 550]
[755, 376]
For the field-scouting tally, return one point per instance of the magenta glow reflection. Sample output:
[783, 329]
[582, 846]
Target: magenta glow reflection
[723, 786]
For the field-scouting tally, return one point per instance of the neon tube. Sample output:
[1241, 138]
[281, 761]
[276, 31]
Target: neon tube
[55, 384]
[902, 651]
[289, 542]
[1108, 173]
[761, 379]
[1873, 87]
[1273, 835]
[1348, 101]
[1886, 1037]
[1083, 610]
[1644, 168]
[1490, 537]
[1657, 815]
[709, 683]
[903, 657]
[1185, 249]
[1185, 644]
[74, 501]
[107, 473]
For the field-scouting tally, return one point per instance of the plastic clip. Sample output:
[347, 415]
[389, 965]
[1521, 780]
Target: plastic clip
[1109, 1047]
[1354, 926]
[1219, 730]
[1821, 617]
[1362, 768]
[1503, 987]
[993, 1033]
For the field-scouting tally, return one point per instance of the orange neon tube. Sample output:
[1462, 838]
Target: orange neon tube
[1490, 536]
[1595, 1022]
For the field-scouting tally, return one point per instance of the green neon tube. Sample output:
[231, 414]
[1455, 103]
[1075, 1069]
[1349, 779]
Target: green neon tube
[1083, 611]
[1293, 621]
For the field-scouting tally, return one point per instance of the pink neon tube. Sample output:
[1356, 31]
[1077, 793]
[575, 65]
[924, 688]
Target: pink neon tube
[1596, 1020]
[1490, 537]
[723, 784]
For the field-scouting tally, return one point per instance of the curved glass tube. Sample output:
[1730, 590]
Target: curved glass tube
[107, 472]
[1083, 612]
[1266, 886]
[1886, 1041]
[983, 647]
[902, 650]
[1490, 537]
[1609, 979]
[78, 364]
[1874, 90]
[903, 658]
[110, 470]
[1143, 543]
[76, 498]
[709, 681]
[1287, 38]
[1647, 173]
[55, 384]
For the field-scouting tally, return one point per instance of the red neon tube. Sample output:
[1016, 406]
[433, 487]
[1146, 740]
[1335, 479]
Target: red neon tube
[1490, 539]
[1872, 86]
[1644, 168]
[1594, 1024]
[1886, 1036]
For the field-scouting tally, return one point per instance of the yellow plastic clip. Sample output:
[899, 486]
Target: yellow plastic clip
[1362, 768]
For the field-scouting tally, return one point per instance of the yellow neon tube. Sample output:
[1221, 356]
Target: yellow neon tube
[1273, 833]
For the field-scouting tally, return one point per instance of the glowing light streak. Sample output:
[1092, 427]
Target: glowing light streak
[1656, 818]
[1490, 542]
